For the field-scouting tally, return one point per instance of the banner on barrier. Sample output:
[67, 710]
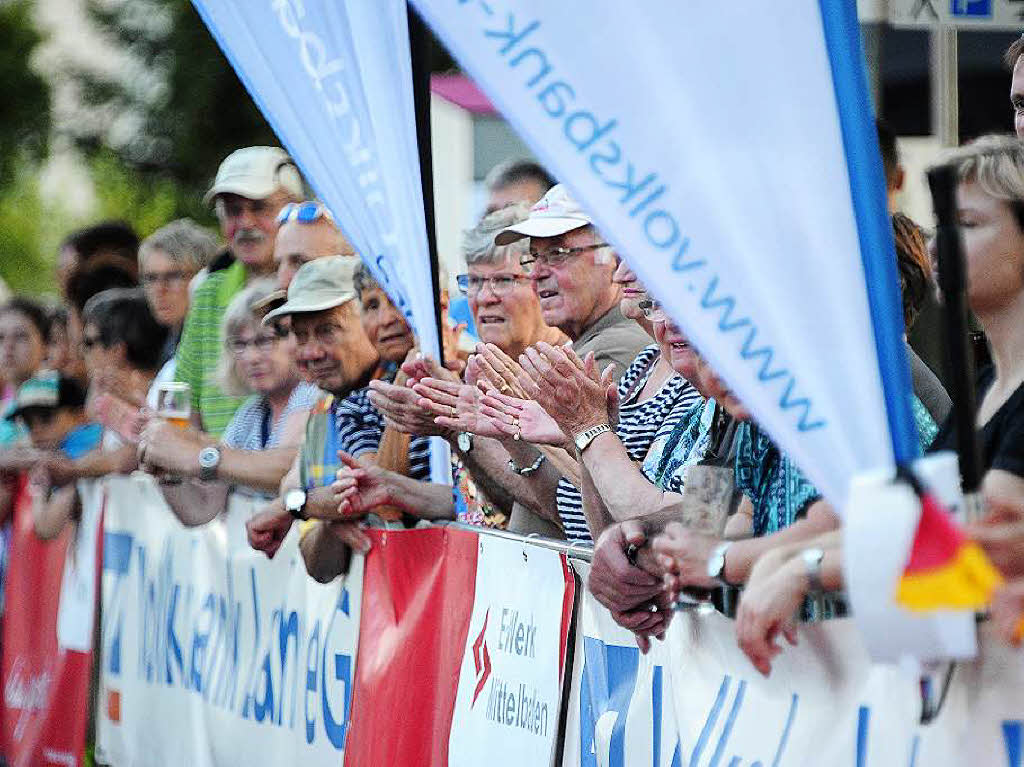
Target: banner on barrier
[45, 685]
[695, 699]
[512, 666]
[461, 652]
[212, 654]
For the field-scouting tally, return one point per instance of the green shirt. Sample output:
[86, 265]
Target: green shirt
[200, 347]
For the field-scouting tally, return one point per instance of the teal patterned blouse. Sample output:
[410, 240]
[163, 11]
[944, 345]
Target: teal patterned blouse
[778, 490]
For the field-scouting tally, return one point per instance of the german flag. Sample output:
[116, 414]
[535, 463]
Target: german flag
[946, 571]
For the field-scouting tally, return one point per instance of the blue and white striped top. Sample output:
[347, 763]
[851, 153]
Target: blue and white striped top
[638, 424]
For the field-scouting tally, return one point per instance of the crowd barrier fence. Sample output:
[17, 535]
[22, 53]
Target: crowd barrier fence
[448, 645]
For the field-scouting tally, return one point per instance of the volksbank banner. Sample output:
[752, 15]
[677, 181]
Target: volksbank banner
[728, 151]
[334, 80]
[211, 653]
[695, 700]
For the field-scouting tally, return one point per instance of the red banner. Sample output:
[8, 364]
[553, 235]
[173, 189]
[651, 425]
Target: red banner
[418, 590]
[46, 688]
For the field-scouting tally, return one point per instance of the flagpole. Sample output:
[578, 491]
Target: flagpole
[419, 45]
[942, 181]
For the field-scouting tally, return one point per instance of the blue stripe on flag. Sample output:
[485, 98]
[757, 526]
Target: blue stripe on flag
[877, 250]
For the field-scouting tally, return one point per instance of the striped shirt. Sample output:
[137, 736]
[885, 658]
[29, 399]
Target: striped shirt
[200, 347]
[639, 421]
[245, 432]
[354, 425]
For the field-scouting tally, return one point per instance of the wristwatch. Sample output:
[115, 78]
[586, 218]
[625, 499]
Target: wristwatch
[209, 460]
[464, 441]
[584, 438]
[716, 563]
[295, 503]
[812, 569]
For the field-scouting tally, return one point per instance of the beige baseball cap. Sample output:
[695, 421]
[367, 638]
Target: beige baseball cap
[256, 172]
[552, 215]
[319, 285]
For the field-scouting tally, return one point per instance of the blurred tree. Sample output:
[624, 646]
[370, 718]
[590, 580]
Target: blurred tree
[177, 110]
[25, 111]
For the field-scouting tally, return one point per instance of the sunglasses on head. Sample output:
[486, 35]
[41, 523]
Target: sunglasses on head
[304, 212]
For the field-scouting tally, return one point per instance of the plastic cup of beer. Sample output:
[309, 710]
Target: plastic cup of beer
[174, 403]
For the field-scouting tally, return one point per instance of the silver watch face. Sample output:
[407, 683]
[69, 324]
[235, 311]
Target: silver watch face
[465, 441]
[715, 564]
[295, 499]
[209, 457]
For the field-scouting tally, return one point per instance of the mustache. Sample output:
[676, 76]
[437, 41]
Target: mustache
[243, 236]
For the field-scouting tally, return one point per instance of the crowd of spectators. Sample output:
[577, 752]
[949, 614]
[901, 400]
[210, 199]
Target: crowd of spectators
[579, 411]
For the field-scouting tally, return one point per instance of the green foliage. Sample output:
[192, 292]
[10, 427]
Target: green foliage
[25, 108]
[200, 112]
[31, 229]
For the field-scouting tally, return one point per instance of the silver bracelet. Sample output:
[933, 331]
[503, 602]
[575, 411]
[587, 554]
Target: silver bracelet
[527, 471]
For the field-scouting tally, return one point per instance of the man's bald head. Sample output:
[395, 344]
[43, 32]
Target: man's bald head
[298, 242]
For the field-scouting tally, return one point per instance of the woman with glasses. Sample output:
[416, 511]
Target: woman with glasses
[168, 261]
[258, 445]
[505, 308]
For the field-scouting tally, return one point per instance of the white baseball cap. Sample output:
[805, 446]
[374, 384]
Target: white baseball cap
[552, 215]
[256, 172]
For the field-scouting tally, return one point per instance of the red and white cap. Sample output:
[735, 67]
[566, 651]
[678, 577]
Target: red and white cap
[554, 214]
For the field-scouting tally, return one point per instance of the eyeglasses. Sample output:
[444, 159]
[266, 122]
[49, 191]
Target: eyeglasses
[234, 206]
[325, 335]
[653, 310]
[90, 341]
[500, 284]
[554, 257]
[261, 343]
[303, 212]
[152, 279]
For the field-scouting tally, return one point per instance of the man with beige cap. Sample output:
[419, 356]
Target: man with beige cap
[334, 353]
[251, 187]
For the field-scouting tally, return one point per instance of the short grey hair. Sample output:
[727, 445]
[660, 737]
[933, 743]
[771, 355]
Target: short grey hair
[183, 241]
[364, 280]
[243, 312]
[478, 243]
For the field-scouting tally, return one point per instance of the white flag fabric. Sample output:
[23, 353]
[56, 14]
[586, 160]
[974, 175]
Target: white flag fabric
[728, 151]
[334, 80]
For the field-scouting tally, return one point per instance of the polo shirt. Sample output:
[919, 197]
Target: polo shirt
[613, 339]
[200, 347]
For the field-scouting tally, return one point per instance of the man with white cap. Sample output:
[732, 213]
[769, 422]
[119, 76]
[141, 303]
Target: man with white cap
[571, 268]
[251, 187]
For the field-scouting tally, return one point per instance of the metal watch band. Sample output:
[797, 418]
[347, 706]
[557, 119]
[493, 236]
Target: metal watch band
[584, 438]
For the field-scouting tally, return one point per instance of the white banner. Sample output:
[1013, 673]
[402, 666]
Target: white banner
[212, 654]
[76, 612]
[696, 700]
[334, 80]
[510, 682]
[724, 149]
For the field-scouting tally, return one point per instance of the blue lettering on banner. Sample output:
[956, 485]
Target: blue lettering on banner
[638, 192]
[1012, 740]
[117, 553]
[295, 672]
[607, 693]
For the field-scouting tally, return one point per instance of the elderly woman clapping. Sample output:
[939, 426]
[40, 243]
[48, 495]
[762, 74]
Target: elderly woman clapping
[259, 444]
